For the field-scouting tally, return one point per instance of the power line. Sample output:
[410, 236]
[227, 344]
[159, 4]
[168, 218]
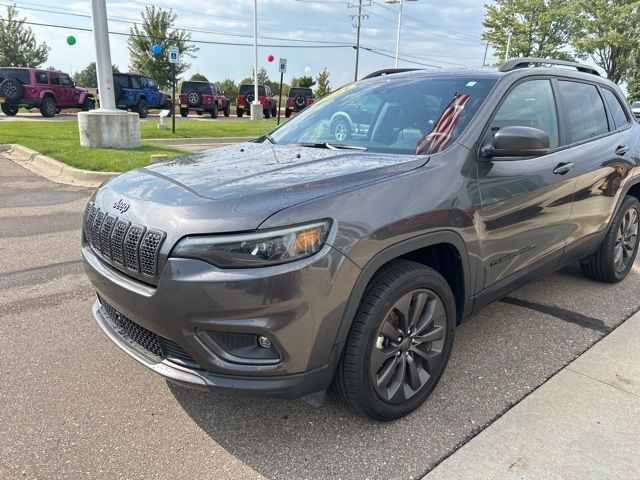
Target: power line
[403, 59]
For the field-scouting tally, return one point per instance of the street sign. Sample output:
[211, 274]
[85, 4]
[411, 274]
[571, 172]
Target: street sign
[283, 65]
[173, 53]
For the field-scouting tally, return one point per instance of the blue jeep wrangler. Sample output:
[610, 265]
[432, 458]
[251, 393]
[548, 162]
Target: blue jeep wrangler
[139, 93]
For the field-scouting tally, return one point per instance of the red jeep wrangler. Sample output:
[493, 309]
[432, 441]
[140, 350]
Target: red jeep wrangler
[246, 96]
[299, 98]
[46, 90]
[203, 97]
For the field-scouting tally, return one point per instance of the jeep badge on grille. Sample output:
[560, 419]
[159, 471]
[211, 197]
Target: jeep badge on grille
[121, 206]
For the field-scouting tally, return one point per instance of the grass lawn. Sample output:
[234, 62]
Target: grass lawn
[60, 140]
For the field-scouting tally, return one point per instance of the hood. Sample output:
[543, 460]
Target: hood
[236, 188]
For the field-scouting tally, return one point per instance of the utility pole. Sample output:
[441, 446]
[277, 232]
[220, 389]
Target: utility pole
[358, 19]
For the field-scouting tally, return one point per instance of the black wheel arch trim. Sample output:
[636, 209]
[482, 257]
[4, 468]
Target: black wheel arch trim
[397, 250]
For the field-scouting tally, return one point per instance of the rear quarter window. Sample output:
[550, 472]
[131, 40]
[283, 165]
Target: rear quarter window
[21, 76]
[585, 115]
[617, 111]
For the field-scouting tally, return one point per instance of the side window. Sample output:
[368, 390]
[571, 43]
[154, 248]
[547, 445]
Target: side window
[144, 82]
[135, 82]
[66, 81]
[530, 104]
[152, 84]
[585, 113]
[617, 111]
[42, 78]
[55, 79]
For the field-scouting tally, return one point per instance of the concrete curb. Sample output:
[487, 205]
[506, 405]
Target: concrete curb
[200, 141]
[52, 169]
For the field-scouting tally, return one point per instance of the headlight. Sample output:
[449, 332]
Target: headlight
[257, 249]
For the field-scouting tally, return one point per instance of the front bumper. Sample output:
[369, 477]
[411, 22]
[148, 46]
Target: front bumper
[299, 306]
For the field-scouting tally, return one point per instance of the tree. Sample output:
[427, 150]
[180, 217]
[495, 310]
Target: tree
[303, 81]
[230, 89]
[607, 31]
[198, 77]
[18, 46]
[323, 85]
[538, 28]
[88, 77]
[158, 28]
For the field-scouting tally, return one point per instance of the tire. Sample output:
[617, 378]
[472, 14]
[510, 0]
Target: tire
[194, 98]
[168, 105]
[48, 107]
[9, 110]
[184, 112]
[214, 111]
[239, 113]
[142, 108]
[274, 111]
[287, 113]
[12, 90]
[88, 104]
[390, 391]
[340, 129]
[612, 262]
[227, 110]
[267, 113]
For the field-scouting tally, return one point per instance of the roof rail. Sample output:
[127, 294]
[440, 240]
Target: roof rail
[524, 62]
[388, 71]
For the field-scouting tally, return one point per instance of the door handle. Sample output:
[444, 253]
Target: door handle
[563, 168]
[621, 150]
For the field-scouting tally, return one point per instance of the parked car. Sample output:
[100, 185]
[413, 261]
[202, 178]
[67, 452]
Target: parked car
[246, 95]
[298, 99]
[46, 90]
[139, 94]
[635, 108]
[203, 97]
[308, 259]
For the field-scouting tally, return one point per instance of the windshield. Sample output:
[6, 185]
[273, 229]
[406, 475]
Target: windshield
[21, 76]
[410, 114]
[247, 89]
[305, 92]
[201, 87]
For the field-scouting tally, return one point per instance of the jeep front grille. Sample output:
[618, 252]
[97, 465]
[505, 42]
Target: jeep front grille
[126, 246]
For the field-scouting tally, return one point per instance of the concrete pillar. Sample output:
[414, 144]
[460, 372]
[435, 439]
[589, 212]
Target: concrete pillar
[256, 106]
[106, 127]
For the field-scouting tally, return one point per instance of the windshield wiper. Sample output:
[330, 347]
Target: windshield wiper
[333, 146]
[266, 136]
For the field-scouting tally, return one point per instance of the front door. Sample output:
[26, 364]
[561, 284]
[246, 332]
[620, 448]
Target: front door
[71, 93]
[525, 212]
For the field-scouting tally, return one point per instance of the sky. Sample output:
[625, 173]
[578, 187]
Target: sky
[434, 34]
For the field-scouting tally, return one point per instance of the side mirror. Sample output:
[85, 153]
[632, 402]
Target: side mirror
[517, 142]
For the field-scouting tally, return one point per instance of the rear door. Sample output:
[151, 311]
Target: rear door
[56, 88]
[525, 210]
[600, 135]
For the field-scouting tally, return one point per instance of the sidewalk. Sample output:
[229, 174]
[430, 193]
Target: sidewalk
[584, 423]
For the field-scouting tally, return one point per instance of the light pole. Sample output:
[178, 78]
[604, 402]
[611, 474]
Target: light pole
[401, 2]
[256, 106]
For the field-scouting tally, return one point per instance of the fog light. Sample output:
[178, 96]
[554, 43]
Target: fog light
[264, 342]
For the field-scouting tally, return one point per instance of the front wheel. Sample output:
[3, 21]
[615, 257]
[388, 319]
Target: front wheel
[399, 342]
[340, 129]
[89, 104]
[612, 262]
[184, 112]
[274, 111]
[214, 111]
[227, 110]
[142, 108]
[9, 110]
[287, 113]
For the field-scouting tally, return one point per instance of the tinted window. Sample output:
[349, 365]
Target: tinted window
[529, 104]
[406, 113]
[21, 76]
[121, 80]
[617, 111]
[136, 82]
[201, 87]
[66, 81]
[245, 89]
[42, 78]
[305, 92]
[585, 113]
[55, 79]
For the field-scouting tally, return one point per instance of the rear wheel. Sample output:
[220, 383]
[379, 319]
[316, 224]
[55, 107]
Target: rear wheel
[340, 129]
[267, 113]
[239, 113]
[168, 105]
[142, 108]
[227, 110]
[274, 111]
[399, 342]
[48, 107]
[9, 110]
[287, 113]
[214, 111]
[184, 112]
[612, 262]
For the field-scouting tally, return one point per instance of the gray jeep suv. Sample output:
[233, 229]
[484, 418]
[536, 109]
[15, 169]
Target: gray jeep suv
[302, 261]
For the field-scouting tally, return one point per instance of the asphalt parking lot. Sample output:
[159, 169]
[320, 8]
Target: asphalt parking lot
[72, 406]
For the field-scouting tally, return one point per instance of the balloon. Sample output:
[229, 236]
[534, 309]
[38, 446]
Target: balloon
[156, 49]
[270, 58]
[307, 70]
[71, 40]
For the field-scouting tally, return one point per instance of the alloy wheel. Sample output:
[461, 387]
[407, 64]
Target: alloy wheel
[408, 346]
[10, 90]
[340, 131]
[626, 240]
